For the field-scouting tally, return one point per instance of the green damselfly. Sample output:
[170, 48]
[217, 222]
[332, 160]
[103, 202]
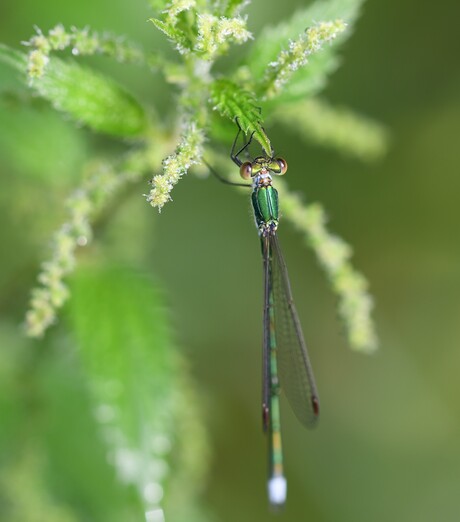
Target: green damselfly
[286, 364]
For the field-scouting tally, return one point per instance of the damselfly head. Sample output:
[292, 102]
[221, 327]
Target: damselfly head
[263, 165]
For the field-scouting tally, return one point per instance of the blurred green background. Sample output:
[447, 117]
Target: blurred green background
[387, 444]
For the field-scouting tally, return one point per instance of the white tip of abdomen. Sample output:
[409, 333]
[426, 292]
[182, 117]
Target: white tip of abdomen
[277, 488]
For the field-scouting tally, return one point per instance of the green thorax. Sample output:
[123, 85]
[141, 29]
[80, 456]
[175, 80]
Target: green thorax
[265, 204]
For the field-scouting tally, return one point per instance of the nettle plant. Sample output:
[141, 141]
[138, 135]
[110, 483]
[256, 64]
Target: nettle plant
[280, 74]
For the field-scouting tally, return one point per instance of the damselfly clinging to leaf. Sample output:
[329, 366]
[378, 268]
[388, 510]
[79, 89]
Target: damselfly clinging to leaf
[286, 364]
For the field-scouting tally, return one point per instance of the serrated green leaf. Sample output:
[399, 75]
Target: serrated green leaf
[92, 99]
[235, 102]
[87, 96]
[273, 40]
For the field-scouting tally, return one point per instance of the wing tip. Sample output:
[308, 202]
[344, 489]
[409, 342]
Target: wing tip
[313, 419]
[315, 405]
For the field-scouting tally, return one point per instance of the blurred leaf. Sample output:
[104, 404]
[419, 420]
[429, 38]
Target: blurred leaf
[9, 78]
[24, 496]
[234, 102]
[52, 460]
[77, 467]
[26, 132]
[85, 95]
[124, 341]
[133, 373]
[13, 58]
[11, 409]
[338, 128]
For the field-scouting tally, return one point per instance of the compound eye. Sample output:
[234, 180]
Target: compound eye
[246, 170]
[282, 164]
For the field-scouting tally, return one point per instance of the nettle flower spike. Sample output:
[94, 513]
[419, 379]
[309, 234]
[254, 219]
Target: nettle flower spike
[216, 33]
[354, 302]
[82, 42]
[289, 61]
[189, 152]
[82, 207]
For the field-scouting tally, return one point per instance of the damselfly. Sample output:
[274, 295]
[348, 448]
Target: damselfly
[285, 360]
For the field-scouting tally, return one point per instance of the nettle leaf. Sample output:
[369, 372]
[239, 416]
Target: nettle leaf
[91, 98]
[235, 102]
[87, 96]
[310, 79]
